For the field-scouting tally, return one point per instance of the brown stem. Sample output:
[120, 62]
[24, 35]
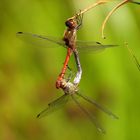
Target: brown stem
[90, 7]
[110, 13]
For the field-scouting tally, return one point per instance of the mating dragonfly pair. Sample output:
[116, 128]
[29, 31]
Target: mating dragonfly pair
[73, 46]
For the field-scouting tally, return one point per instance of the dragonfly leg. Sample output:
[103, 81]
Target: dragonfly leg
[69, 68]
[70, 75]
[79, 18]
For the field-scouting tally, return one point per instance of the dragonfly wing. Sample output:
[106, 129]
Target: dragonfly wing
[97, 105]
[39, 40]
[135, 59]
[83, 46]
[54, 105]
[135, 2]
[91, 117]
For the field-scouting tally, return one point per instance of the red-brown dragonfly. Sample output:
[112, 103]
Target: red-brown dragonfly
[69, 41]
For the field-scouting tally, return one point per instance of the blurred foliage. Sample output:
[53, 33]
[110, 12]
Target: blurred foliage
[28, 74]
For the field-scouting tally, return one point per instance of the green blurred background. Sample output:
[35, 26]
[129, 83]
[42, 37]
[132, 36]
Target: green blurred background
[28, 74]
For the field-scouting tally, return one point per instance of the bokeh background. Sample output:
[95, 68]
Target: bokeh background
[28, 74]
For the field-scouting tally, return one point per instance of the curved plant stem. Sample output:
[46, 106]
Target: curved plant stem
[90, 7]
[110, 13]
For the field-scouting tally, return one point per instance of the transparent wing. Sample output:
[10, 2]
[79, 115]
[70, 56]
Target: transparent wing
[97, 105]
[84, 46]
[135, 2]
[136, 62]
[91, 117]
[48, 41]
[135, 59]
[54, 105]
[39, 40]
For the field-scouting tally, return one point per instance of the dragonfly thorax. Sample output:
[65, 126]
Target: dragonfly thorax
[69, 87]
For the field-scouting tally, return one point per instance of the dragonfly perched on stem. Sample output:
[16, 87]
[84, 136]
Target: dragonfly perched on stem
[69, 41]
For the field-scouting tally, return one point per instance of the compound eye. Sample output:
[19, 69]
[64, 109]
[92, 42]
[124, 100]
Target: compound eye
[68, 23]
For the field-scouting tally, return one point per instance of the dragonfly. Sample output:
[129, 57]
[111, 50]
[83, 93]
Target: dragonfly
[71, 91]
[69, 41]
[70, 88]
[45, 41]
[72, 45]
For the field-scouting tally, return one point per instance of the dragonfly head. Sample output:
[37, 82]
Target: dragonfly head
[71, 23]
